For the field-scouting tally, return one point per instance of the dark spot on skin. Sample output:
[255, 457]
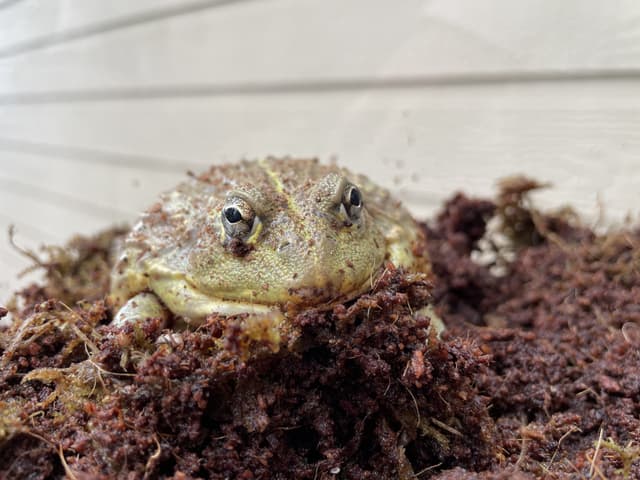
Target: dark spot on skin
[295, 275]
[3, 312]
[284, 245]
[238, 248]
[350, 264]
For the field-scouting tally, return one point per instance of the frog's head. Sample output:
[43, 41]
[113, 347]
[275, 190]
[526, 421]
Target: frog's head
[288, 240]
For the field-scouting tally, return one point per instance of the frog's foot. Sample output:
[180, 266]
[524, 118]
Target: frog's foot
[140, 307]
[436, 322]
[172, 339]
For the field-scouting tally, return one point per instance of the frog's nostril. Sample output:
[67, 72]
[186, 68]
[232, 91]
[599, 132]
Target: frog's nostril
[283, 245]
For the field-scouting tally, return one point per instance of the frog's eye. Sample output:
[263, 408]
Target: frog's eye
[352, 201]
[238, 218]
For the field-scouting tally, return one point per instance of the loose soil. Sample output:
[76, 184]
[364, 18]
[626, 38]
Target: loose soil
[536, 375]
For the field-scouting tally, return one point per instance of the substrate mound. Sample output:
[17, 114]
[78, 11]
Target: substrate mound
[536, 375]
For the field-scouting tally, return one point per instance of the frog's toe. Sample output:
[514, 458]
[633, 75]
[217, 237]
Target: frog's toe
[144, 305]
[436, 322]
[173, 339]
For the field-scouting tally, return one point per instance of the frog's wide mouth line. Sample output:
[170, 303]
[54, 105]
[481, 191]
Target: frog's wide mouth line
[198, 305]
[545, 330]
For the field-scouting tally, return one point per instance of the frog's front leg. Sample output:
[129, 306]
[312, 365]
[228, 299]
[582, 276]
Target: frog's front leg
[140, 307]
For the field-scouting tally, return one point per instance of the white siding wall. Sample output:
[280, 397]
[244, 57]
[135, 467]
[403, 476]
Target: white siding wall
[104, 103]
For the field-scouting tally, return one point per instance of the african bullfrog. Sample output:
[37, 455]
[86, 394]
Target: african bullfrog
[264, 238]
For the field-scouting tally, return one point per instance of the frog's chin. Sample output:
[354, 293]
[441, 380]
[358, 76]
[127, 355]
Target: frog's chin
[196, 309]
[186, 301]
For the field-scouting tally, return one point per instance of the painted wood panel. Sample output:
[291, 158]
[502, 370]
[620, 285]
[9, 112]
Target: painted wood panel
[582, 135]
[28, 25]
[307, 41]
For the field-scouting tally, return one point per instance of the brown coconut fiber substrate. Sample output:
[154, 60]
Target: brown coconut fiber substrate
[537, 375]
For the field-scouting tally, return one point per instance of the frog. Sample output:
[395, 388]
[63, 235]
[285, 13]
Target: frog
[263, 238]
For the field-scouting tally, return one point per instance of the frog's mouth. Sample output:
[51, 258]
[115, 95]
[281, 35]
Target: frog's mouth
[183, 298]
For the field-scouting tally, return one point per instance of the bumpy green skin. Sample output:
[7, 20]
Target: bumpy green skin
[305, 253]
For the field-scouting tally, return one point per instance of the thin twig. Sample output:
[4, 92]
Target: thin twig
[65, 465]
[595, 455]
[79, 332]
[427, 469]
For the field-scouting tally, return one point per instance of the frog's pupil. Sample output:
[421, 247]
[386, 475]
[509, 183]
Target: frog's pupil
[354, 197]
[232, 214]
